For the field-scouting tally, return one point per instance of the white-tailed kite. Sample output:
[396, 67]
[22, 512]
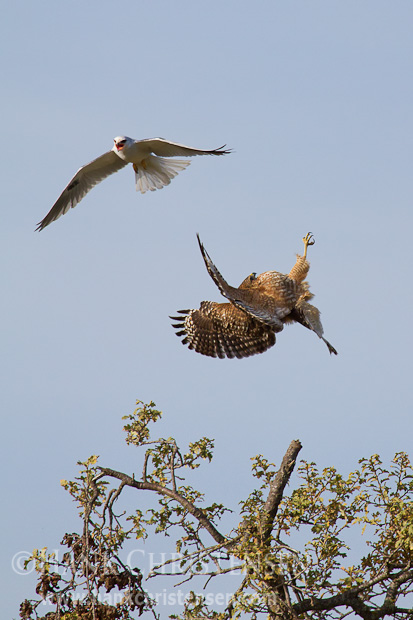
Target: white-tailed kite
[152, 170]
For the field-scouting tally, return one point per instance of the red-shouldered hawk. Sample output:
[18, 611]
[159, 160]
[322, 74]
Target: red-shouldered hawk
[258, 309]
[152, 169]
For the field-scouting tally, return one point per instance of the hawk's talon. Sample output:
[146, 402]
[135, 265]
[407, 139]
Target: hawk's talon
[308, 240]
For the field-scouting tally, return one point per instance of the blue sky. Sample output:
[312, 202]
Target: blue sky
[315, 99]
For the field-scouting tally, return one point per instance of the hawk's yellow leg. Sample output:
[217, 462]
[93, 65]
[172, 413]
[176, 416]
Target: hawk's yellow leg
[308, 240]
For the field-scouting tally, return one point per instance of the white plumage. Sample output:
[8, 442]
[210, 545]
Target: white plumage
[148, 157]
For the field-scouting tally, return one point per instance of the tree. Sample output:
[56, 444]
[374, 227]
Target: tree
[373, 504]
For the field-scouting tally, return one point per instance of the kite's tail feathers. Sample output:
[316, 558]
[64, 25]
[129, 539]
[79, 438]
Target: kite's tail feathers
[156, 172]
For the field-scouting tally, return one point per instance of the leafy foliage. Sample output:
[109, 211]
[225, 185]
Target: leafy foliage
[372, 505]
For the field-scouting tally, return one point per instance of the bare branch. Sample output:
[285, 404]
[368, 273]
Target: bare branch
[172, 466]
[158, 488]
[145, 466]
[351, 598]
[394, 589]
[278, 485]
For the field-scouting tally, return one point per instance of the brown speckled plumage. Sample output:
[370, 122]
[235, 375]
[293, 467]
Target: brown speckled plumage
[258, 309]
[222, 330]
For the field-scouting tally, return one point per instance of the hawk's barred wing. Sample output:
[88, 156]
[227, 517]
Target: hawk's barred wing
[84, 180]
[258, 305]
[222, 330]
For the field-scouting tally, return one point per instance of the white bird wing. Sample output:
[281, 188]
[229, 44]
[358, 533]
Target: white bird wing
[85, 178]
[163, 148]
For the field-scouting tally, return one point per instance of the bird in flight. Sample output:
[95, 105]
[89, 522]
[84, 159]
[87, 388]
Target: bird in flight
[153, 169]
[257, 310]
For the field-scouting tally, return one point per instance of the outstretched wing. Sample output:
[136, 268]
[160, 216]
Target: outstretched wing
[162, 147]
[85, 178]
[222, 330]
[258, 305]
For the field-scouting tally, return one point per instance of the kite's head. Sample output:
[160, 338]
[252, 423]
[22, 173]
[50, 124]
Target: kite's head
[121, 142]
